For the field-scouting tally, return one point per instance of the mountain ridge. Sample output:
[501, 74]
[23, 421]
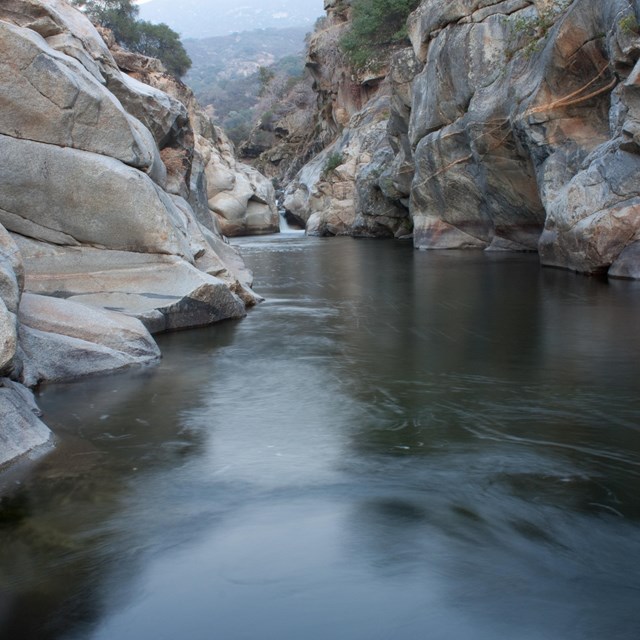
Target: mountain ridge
[198, 20]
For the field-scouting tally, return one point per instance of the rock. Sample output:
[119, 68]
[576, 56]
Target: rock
[164, 292]
[49, 97]
[348, 199]
[11, 271]
[514, 125]
[595, 216]
[163, 115]
[65, 196]
[21, 430]
[58, 18]
[8, 338]
[62, 340]
[103, 208]
[627, 264]
[209, 170]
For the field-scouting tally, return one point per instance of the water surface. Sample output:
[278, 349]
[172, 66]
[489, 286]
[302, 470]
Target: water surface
[395, 445]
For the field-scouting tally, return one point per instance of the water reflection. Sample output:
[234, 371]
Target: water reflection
[394, 445]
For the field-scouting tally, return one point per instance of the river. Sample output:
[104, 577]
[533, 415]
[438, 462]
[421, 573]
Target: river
[395, 445]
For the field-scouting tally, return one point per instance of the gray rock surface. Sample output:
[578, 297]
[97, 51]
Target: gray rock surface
[164, 292]
[8, 338]
[104, 219]
[514, 126]
[523, 136]
[47, 96]
[21, 429]
[66, 196]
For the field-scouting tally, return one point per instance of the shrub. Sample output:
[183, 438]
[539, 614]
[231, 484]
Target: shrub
[334, 160]
[154, 40]
[629, 24]
[375, 24]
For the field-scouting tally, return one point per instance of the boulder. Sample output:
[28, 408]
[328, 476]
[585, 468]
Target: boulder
[46, 96]
[11, 271]
[165, 116]
[66, 196]
[8, 338]
[57, 18]
[164, 292]
[21, 429]
[61, 340]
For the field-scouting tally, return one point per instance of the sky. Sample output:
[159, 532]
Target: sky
[203, 18]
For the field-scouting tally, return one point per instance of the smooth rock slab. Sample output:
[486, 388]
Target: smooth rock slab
[72, 197]
[49, 97]
[21, 430]
[164, 292]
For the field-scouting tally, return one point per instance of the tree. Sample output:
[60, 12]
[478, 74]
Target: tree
[118, 15]
[375, 24]
[154, 40]
[160, 41]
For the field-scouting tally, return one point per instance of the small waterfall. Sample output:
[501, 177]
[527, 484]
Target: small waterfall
[284, 225]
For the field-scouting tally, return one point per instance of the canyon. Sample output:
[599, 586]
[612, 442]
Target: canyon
[506, 125]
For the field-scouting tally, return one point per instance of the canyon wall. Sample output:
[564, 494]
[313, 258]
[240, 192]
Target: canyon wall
[115, 192]
[506, 125]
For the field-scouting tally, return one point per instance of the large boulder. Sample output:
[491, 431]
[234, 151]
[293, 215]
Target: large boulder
[49, 97]
[61, 340]
[8, 338]
[66, 196]
[164, 292]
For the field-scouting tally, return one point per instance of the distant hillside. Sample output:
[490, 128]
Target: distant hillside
[226, 73]
[237, 56]
[199, 19]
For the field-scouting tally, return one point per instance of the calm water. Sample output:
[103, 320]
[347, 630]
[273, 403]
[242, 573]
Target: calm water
[395, 446]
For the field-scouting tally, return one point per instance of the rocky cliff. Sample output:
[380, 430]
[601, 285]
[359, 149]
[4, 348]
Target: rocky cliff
[507, 125]
[114, 189]
[337, 192]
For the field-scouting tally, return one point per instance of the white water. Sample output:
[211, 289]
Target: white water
[285, 228]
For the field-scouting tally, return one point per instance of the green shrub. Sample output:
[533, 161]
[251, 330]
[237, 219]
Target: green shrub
[629, 24]
[334, 160]
[154, 40]
[375, 24]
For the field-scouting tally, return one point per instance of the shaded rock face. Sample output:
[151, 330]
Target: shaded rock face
[107, 231]
[346, 199]
[22, 430]
[523, 142]
[227, 195]
[511, 125]
[341, 191]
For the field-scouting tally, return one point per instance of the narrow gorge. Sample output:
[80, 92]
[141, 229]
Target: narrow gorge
[506, 126]
[368, 370]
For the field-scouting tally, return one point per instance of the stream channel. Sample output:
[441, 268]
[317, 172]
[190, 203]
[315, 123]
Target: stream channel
[396, 445]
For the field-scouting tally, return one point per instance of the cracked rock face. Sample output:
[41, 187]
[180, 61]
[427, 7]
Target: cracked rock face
[524, 142]
[513, 125]
[106, 233]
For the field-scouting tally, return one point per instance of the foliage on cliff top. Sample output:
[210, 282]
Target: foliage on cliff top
[375, 24]
[155, 40]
